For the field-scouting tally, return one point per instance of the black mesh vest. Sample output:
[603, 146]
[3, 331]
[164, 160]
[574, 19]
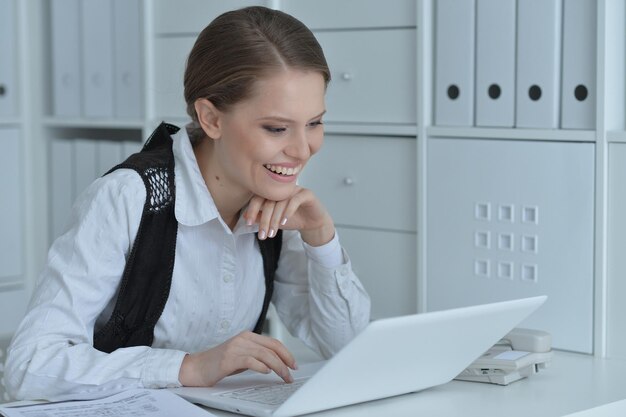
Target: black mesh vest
[147, 277]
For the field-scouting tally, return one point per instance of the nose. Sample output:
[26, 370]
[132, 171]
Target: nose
[298, 146]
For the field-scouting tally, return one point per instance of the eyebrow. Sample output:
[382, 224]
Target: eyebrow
[287, 120]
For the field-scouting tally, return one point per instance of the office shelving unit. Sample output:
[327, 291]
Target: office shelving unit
[604, 286]
[381, 108]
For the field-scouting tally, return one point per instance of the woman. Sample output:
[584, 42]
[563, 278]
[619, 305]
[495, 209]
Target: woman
[162, 276]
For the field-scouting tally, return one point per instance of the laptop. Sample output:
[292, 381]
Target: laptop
[390, 357]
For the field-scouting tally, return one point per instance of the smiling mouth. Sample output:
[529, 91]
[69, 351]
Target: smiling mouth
[284, 171]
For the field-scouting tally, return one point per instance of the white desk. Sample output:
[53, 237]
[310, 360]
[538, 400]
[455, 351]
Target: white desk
[572, 383]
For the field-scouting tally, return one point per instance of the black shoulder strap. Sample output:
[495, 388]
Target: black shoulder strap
[270, 251]
[147, 277]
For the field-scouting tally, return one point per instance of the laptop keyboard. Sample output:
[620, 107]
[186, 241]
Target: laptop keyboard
[271, 394]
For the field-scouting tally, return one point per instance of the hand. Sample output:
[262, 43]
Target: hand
[245, 351]
[302, 211]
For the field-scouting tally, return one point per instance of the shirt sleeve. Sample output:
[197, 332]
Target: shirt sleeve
[52, 355]
[322, 303]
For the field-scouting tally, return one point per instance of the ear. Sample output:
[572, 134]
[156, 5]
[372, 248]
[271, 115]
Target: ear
[209, 118]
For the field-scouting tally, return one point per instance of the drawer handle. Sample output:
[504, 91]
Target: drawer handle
[346, 76]
[3, 90]
[348, 181]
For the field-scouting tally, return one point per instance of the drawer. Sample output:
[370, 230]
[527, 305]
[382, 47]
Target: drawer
[374, 76]
[385, 263]
[332, 14]
[169, 68]
[366, 181]
[191, 16]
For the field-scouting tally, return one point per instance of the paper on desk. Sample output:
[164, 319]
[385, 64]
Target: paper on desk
[135, 403]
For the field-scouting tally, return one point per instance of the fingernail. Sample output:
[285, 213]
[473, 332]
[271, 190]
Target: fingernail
[294, 366]
[283, 222]
[262, 234]
[249, 222]
[272, 233]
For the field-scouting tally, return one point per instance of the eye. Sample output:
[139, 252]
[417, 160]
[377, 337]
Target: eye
[316, 123]
[274, 129]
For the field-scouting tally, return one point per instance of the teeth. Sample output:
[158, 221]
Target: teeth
[283, 170]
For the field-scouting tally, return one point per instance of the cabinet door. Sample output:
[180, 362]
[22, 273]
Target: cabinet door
[366, 181]
[11, 209]
[512, 219]
[385, 264]
[372, 72]
[616, 308]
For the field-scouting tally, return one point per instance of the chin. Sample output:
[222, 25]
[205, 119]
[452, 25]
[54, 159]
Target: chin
[277, 193]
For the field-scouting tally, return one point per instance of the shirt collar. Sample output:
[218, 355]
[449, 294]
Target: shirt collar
[194, 204]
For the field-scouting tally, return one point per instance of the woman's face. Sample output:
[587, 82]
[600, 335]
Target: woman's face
[266, 140]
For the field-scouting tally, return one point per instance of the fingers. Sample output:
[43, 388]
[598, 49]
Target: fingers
[295, 202]
[264, 354]
[254, 208]
[276, 218]
[255, 352]
[268, 214]
[276, 346]
[266, 217]
[301, 211]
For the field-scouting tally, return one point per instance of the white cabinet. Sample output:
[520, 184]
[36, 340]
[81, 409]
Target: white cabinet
[510, 219]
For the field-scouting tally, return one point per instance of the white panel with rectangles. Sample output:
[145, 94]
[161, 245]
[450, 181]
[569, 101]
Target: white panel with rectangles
[511, 219]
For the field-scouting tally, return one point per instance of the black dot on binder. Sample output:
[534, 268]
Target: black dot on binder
[453, 92]
[494, 91]
[580, 92]
[534, 92]
[3, 90]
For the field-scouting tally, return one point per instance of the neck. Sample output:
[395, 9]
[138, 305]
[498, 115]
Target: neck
[228, 198]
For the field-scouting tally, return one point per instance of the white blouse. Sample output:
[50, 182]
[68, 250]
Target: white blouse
[217, 291]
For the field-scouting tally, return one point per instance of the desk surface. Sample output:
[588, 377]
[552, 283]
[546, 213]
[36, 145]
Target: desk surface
[572, 383]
